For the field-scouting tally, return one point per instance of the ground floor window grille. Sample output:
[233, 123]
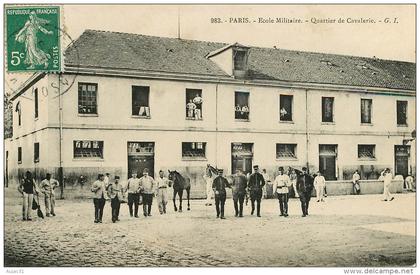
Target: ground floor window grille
[285, 151]
[88, 149]
[366, 151]
[193, 149]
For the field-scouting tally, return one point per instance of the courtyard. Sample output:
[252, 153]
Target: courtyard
[342, 231]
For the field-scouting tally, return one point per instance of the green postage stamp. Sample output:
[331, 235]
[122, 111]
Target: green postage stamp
[33, 39]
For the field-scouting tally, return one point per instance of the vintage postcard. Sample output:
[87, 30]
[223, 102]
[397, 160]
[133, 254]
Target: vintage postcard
[198, 135]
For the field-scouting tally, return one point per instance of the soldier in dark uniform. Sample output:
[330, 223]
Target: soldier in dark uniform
[219, 187]
[239, 192]
[304, 186]
[255, 185]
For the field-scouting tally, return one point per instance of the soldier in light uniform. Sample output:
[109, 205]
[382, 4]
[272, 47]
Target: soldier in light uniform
[162, 185]
[281, 188]
[147, 188]
[133, 189]
[115, 190]
[47, 187]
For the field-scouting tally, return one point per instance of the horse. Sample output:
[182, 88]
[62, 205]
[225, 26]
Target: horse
[179, 184]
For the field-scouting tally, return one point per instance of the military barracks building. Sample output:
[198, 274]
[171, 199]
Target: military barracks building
[123, 102]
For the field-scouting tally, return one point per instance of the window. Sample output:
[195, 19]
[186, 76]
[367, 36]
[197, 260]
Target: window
[401, 112]
[88, 98]
[36, 102]
[239, 60]
[194, 104]
[285, 151]
[19, 155]
[286, 103]
[36, 152]
[140, 101]
[18, 109]
[366, 110]
[242, 105]
[327, 109]
[366, 151]
[193, 149]
[88, 149]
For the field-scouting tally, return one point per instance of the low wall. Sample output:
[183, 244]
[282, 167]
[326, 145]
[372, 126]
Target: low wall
[345, 187]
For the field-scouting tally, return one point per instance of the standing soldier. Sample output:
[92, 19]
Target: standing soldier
[304, 186]
[47, 187]
[27, 188]
[356, 184]
[387, 183]
[208, 178]
[255, 185]
[281, 187]
[133, 187]
[267, 180]
[115, 193]
[98, 187]
[239, 192]
[147, 187]
[162, 192]
[219, 187]
[319, 183]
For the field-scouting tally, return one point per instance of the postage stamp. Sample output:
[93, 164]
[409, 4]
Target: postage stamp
[33, 39]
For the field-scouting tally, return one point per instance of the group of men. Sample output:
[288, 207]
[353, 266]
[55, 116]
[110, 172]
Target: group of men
[242, 185]
[28, 188]
[144, 187]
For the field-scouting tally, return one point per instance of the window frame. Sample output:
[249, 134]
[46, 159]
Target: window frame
[323, 110]
[79, 84]
[373, 153]
[19, 156]
[193, 90]
[133, 87]
[249, 107]
[406, 113]
[194, 157]
[371, 111]
[100, 144]
[291, 107]
[36, 103]
[294, 157]
[36, 152]
[244, 60]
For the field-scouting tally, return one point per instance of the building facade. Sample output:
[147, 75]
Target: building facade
[230, 106]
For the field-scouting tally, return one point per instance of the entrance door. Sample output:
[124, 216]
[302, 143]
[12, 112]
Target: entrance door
[327, 160]
[141, 155]
[402, 156]
[242, 157]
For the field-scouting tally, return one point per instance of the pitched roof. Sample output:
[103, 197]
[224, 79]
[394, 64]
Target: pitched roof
[115, 50]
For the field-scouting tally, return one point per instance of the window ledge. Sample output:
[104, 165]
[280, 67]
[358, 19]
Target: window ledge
[194, 159]
[366, 124]
[242, 120]
[191, 118]
[286, 159]
[19, 162]
[402, 125]
[287, 121]
[88, 159]
[367, 159]
[87, 115]
[36, 161]
[327, 123]
[140, 117]
[36, 118]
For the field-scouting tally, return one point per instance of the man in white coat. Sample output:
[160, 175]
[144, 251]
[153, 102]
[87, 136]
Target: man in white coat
[319, 183]
[387, 183]
[208, 178]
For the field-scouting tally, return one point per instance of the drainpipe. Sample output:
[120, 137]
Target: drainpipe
[306, 129]
[217, 128]
[60, 121]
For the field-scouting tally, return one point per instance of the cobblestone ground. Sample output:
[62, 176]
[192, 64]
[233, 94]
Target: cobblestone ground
[343, 231]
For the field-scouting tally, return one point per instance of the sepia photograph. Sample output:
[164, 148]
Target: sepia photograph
[209, 135]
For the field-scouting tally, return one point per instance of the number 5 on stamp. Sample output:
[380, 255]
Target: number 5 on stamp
[33, 39]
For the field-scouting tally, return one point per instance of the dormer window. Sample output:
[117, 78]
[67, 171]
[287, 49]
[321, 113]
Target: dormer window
[232, 59]
[239, 60]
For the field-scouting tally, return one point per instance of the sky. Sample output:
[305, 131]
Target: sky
[394, 41]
